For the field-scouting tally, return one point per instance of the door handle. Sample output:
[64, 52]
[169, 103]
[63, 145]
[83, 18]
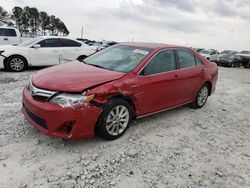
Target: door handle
[203, 71]
[55, 51]
[176, 76]
[5, 39]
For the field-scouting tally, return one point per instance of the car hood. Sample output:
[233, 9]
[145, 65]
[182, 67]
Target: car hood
[244, 55]
[227, 56]
[205, 55]
[73, 77]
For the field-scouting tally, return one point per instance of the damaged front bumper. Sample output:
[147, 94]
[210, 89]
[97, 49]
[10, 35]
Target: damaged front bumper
[1, 61]
[63, 122]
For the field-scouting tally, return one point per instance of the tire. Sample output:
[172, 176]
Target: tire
[16, 63]
[201, 97]
[81, 58]
[109, 125]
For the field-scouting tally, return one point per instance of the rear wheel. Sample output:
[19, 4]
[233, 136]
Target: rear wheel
[114, 120]
[16, 63]
[201, 97]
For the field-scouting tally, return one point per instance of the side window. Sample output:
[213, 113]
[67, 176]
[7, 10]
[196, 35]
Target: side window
[69, 43]
[213, 52]
[186, 59]
[8, 32]
[11, 32]
[164, 61]
[198, 61]
[46, 43]
[2, 32]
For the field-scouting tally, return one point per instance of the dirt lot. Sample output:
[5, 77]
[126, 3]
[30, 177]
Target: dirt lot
[183, 147]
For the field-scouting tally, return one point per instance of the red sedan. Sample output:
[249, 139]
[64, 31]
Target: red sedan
[109, 89]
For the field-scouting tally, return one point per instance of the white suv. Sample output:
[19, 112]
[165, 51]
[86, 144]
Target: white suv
[43, 51]
[210, 54]
[9, 36]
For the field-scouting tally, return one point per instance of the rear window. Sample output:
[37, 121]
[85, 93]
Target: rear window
[69, 43]
[7, 32]
[48, 43]
[186, 59]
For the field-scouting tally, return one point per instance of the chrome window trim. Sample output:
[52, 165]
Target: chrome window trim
[176, 57]
[165, 49]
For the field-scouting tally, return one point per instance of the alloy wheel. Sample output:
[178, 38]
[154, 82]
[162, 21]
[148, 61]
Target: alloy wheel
[117, 120]
[202, 96]
[16, 64]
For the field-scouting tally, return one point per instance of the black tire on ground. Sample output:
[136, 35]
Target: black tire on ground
[102, 123]
[81, 58]
[16, 63]
[198, 104]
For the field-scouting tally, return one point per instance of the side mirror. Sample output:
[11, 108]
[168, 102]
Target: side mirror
[36, 46]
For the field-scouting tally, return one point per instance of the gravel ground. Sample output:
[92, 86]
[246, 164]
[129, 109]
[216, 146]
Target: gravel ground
[182, 147]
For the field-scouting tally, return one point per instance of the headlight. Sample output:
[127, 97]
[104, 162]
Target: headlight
[72, 100]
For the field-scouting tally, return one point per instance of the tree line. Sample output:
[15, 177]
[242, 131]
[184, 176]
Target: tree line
[29, 19]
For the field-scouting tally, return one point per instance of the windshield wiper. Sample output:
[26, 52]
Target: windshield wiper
[99, 66]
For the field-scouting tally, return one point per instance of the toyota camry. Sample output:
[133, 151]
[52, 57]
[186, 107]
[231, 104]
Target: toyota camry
[105, 92]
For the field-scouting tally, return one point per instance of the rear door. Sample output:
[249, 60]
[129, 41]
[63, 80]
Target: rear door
[47, 54]
[70, 50]
[191, 72]
[157, 83]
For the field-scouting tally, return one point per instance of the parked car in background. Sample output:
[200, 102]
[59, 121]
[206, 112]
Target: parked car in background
[243, 57]
[43, 51]
[229, 59]
[106, 45]
[225, 52]
[210, 54]
[109, 89]
[9, 36]
[199, 49]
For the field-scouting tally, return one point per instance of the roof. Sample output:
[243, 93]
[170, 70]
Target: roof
[60, 37]
[7, 27]
[150, 45]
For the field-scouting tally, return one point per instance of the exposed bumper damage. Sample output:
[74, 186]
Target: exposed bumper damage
[56, 121]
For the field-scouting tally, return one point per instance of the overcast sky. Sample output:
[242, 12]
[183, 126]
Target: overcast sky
[220, 24]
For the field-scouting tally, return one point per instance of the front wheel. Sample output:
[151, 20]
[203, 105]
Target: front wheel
[114, 120]
[201, 97]
[16, 63]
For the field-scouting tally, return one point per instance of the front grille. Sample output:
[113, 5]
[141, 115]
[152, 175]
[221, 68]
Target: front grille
[40, 94]
[40, 98]
[41, 122]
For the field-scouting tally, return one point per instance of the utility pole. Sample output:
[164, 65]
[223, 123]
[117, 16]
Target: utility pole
[81, 32]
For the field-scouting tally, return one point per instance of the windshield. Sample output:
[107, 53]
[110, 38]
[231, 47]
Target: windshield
[226, 52]
[245, 52]
[118, 58]
[29, 41]
[205, 52]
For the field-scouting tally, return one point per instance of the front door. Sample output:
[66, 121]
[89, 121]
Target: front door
[157, 83]
[47, 54]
